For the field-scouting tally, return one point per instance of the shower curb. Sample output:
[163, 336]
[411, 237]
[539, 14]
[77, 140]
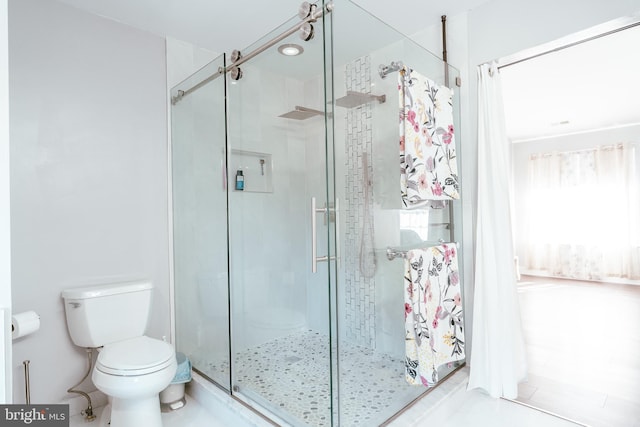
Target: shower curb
[225, 407]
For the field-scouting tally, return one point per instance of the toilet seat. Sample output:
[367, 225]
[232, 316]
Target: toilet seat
[137, 356]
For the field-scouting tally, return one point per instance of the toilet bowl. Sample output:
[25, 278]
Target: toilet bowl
[132, 368]
[132, 373]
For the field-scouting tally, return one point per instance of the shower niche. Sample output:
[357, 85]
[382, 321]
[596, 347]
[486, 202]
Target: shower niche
[284, 296]
[257, 171]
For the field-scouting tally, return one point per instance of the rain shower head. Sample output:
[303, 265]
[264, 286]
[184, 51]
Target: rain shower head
[302, 113]
[356, 99]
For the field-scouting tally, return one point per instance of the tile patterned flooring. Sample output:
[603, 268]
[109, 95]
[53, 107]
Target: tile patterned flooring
[583, 349]
[291, 373]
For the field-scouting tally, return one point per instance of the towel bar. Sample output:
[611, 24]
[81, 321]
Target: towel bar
[393, 253]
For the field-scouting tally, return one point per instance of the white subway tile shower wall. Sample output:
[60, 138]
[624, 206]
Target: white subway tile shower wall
[359, 290]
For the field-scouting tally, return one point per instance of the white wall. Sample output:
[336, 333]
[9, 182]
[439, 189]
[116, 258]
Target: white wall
[184, 59]
[5, 226]
[89, 175]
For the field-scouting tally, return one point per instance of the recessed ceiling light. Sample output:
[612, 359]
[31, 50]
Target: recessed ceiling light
[290, 49]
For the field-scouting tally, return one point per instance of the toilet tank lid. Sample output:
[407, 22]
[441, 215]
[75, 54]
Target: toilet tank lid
[105, 290]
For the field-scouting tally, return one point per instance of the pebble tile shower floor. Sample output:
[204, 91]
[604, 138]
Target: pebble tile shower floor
[292, 373]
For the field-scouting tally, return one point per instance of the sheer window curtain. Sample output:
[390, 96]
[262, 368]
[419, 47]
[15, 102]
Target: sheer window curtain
[497, 358]
[582, 213]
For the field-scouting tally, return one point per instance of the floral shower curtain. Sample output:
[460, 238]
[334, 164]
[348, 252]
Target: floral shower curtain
[583, 210]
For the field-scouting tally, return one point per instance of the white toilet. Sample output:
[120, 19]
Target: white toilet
[132, 369]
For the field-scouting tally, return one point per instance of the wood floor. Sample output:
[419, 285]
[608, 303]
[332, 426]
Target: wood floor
[583, 350]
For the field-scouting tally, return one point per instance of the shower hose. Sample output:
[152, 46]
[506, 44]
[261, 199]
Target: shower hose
[367, 253]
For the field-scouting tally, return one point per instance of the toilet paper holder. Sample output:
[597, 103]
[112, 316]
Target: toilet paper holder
[25, 323]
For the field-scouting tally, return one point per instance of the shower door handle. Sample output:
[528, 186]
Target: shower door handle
[314, 236]
[315, 259]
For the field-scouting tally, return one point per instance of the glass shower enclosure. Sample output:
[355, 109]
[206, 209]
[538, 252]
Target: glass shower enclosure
[285, 200]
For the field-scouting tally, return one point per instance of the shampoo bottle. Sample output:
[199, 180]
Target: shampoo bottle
[239, 180]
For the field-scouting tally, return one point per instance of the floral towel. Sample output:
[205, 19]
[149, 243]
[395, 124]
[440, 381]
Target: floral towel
[434, 333]
[428, 168]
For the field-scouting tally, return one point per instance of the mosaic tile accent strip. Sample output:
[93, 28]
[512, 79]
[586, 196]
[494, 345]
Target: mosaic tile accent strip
[359, 290]
[292, 373]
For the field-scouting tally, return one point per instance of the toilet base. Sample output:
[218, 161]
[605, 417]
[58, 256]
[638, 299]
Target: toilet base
[133, 412]
[105, 416]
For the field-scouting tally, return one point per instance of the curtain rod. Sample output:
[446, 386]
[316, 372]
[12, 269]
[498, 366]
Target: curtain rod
[559, 48]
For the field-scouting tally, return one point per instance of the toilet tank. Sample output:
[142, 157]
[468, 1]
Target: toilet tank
[100, 315]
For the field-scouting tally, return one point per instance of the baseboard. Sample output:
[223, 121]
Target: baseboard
[610, 280]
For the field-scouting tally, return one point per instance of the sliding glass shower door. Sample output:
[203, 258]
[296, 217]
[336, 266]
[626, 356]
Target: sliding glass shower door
[279, 223]
[254, 226]
[200, 223]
